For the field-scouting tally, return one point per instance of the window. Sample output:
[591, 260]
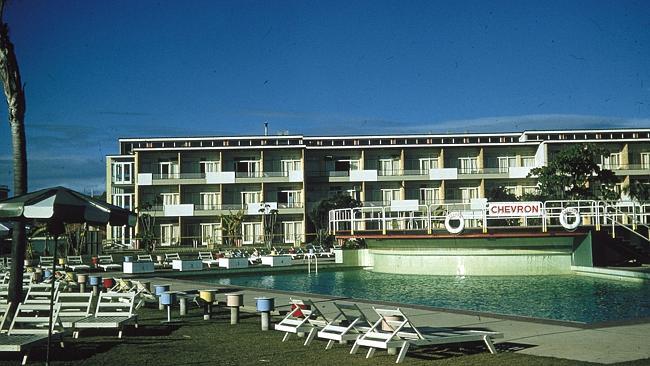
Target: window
[388, 167]
[211, 234]
[290, 166]
[124, 200]
[169, 234]
[611, 161]
[122, 234]
[468, 165]
[292, 231]
[171, 198]
[289, 199]
[529, 190]
[209, 166]
[248, 168]
[645, 160]
[168, 169]
[528, 161]
[468, 193]
[427, 164]
[250, 197]
[429, 195]
[210, 200]
[506, 162]
[252, 232]
[122, 172]
[388, 195]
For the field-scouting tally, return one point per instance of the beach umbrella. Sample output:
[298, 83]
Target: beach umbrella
[56, 207]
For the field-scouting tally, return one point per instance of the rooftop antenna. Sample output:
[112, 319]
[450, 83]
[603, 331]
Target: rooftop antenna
[266, 128]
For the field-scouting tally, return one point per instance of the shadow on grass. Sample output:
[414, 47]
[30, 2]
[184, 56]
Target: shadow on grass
[464, 349]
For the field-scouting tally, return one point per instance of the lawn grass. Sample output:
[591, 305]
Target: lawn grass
[216, 342]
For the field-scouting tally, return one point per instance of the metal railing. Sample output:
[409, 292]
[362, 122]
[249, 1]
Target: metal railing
[555, 213]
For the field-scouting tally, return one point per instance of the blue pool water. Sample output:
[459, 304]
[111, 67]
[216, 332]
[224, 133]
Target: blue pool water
[570, 297]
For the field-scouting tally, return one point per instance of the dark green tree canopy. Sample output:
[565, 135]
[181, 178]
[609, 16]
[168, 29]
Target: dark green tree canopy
[574, 174]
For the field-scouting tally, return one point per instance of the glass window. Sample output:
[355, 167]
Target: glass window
[209, 166]
[211, 234]
[468, 193]
[429, 195]
[528, 161]
[171, 198]
[388, 195]
[250, 197]
[388, 167]
[122, 172]
[210, 200]
[645, 160]
[468, 165]
[506, 162]
[428, 163]
[252, 232]
[290, 166]
[292, 231]
[169, 234]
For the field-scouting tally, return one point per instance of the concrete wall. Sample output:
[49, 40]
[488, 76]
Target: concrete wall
[475, 256]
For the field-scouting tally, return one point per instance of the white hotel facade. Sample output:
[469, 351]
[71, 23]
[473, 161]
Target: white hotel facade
[191, 181]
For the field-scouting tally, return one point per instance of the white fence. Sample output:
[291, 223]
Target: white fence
[456, 217]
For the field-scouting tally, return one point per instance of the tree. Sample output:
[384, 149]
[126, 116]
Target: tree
[574, 174]
[231, 225]
[76, 236]
[15, 95]
[319, 216]
[146, 234]
[269, 217]
[638, 190]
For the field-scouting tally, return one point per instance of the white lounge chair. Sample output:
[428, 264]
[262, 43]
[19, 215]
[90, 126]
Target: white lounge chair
[40, 293]
[114, 310]
[73, 307]
[169, 257]
[46, 261]
[206, 258]
[106, 263]
[403, 334]
[75, 263]
[28, 328]
[304, 317]
[346, 326]
[149, 258]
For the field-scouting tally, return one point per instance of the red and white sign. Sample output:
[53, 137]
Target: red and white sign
[514, 209]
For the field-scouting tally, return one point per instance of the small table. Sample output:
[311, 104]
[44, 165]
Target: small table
[233, 262]
[276, 260]
[187, 265]
[137, 267]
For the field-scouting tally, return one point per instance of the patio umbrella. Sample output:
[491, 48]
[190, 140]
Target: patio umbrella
[58, 206]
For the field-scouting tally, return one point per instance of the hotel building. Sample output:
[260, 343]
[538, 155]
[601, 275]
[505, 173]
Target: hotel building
[189, 182]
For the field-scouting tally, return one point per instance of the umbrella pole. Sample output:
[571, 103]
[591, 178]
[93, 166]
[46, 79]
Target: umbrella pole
[49, 328]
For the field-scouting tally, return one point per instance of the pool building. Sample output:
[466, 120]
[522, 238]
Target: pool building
[191, 181]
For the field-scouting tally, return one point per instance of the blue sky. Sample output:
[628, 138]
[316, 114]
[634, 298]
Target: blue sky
[96, 71]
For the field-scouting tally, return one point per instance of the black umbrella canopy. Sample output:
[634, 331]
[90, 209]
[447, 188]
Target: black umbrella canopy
[63, 205]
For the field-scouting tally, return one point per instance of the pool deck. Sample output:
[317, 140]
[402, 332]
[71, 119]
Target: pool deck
[600, 343]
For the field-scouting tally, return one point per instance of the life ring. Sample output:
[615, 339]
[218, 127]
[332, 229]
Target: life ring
[566, 214]
[461, 223]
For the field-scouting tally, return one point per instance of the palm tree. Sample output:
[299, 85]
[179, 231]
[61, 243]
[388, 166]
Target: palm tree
[13, 88]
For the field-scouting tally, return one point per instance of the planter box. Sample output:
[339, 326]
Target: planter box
[187, 265]
[233, 262]
[137, 267]
[276, 260]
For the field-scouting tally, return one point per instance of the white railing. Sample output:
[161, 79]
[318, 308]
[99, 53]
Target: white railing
[454, 217]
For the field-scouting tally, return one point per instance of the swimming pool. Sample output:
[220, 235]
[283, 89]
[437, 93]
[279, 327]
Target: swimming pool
[562, 297]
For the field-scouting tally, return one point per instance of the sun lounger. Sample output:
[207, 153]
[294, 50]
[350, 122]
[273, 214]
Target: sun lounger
[29, 327]
[142, 294]
[73, 307]
[40, 293]
[149, 258]
[403, 334]
[169, 257]
[346, 326]
[114, 310]
[75, 263]
[302, 318]
[206, 258]
[106, 262]
[46, 262]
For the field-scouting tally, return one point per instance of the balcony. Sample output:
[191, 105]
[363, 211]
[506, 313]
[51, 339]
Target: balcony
[627, 169]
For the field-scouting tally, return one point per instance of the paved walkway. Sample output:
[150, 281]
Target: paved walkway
[603, 345]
